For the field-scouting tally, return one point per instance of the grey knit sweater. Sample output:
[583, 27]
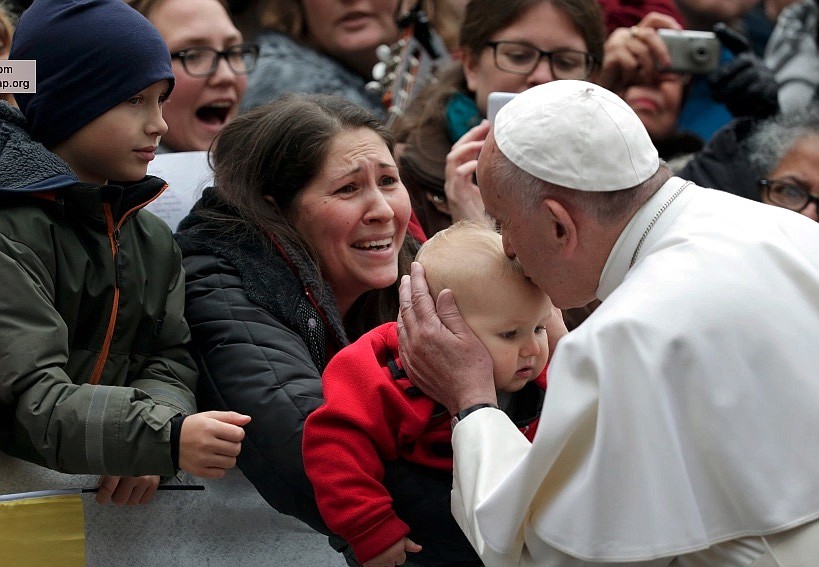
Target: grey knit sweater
[791, 53]
[286, 66]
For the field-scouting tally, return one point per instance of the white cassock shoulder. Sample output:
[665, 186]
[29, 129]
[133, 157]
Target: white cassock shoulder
[665, 429]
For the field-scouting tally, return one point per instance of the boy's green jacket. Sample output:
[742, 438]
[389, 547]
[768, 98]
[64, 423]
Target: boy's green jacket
[94, 360]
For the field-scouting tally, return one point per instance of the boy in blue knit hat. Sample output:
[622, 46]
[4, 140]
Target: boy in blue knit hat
[95, 374]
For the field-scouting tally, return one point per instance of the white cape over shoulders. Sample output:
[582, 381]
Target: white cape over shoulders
[683, 413]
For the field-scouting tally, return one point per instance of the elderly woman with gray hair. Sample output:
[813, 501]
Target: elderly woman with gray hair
[784, 151]
[747, 150]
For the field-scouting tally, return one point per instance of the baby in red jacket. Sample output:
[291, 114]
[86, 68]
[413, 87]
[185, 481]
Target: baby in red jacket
[372, 412]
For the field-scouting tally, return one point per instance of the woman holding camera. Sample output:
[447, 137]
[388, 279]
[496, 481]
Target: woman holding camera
[656, 96]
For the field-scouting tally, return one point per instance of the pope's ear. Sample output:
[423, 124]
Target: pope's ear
[561, 227]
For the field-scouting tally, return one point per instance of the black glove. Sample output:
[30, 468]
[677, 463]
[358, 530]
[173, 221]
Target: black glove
[744, 84]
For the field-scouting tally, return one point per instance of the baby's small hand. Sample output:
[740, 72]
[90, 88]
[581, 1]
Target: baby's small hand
[396, 554]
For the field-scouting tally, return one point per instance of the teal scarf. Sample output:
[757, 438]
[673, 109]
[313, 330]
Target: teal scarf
[462, 114]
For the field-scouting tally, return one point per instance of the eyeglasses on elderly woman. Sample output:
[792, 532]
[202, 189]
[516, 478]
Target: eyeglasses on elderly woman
[787, 194]
[201, 61]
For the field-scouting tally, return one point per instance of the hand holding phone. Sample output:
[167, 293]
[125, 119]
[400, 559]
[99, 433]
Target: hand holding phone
[636, 55]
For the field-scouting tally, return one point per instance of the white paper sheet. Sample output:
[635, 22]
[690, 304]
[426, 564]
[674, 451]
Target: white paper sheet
[187, 174]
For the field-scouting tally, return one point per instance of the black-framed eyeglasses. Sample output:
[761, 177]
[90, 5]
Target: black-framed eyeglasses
[521, 59]
[787, 194]
[201, 61]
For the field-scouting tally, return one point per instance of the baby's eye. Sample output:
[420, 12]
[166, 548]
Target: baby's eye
[134, 100]
[540, 329]
[508, 335]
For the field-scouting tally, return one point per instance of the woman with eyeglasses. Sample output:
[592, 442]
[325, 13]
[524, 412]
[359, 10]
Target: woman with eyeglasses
[513, 46]
[210, 61]
[785, 152]
[505, 46]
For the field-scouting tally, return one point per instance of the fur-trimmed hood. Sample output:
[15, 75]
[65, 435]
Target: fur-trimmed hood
[27, 166]
[273, 274]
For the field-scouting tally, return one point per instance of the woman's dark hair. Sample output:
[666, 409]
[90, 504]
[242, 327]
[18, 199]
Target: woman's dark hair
[484, 18]
[275, 151]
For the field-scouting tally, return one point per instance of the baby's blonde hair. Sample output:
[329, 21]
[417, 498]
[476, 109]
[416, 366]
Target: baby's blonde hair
[465, 255]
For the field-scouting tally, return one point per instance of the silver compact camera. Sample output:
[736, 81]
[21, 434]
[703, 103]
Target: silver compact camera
[691, 51]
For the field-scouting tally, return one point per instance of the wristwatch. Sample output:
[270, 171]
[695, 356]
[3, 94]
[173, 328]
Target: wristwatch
[465, 412]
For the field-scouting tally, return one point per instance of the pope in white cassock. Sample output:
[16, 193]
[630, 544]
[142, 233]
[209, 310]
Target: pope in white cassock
[681, 424]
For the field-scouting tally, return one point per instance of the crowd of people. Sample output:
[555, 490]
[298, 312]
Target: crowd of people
[613, 284]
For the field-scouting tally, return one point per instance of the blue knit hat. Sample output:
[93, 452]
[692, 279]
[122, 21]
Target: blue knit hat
[91, 56]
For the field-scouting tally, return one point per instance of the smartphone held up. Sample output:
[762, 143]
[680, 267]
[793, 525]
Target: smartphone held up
[495, 102]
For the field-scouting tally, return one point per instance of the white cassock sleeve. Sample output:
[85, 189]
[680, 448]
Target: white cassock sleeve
[487, 446]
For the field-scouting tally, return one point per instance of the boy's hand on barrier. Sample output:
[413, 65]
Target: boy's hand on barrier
[209, 442]
[127, 490]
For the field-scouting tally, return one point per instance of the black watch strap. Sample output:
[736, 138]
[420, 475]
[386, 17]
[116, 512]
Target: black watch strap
[465, 412]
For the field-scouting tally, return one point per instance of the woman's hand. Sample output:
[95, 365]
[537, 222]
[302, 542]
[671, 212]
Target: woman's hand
[396, 554]
[636, 55]
[462, 195]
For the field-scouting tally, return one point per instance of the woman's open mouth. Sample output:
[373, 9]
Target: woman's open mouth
[375, 245]
[214, 114]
